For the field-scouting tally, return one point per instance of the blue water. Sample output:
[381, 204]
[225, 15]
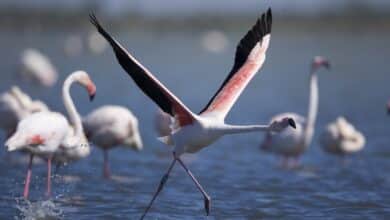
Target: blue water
[243, 182]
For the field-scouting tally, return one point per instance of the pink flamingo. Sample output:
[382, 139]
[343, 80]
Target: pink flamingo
[292, 143]
[42, 133]
[110, 126]
[192, 132]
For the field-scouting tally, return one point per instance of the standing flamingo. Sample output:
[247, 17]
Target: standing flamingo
[192, 132]
[162, 123]
[42, 133]
[341, 138]
[15, 105]
[291, 143]
[110, 126]
[38, 68]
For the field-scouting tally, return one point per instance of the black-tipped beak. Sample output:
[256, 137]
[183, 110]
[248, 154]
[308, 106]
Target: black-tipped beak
[91, 97]
[291, 122]
[327, 65]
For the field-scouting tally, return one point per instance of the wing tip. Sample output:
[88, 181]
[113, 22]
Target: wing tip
[265, 21]
[93, 19]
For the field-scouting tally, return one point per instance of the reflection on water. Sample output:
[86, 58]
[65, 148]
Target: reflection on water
[243, 182]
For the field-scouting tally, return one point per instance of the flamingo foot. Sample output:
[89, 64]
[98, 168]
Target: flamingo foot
[207, 203]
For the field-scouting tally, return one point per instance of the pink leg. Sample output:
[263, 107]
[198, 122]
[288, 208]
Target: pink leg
[28, 178]
[106, 168]
[48, 191]
[206, 197]
[160, 187]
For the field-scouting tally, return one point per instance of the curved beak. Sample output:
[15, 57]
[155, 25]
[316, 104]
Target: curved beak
[326, 64]
[319, 61]
[91, 90]
[91, 97]
[291, 122]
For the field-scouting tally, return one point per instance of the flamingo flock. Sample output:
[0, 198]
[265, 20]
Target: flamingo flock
[34, 128]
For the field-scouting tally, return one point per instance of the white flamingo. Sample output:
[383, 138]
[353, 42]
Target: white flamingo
[110, 126]
[192, 132]
[162, 123]
[291, 143]
[341, 138]
[42, 133]
[38, 68]
[15, 105]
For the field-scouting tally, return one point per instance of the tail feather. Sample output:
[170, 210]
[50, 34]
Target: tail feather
[15, 142]
[166, 140]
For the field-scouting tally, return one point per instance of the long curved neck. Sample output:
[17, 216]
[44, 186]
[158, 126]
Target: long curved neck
[74, 116]
[235, 129]
[312, 109]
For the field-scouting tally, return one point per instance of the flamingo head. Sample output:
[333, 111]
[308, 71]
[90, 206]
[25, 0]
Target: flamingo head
[278, 126]
[84, 79]
[319, 61]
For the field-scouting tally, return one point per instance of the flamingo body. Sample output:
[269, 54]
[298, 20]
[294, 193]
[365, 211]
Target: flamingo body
[288, 142]
[38, 68]
[14, 106]
[109, 126]
[73, 148]
[51, 127]
[341, 138]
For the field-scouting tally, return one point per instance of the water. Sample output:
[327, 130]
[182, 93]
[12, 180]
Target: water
[243, 182]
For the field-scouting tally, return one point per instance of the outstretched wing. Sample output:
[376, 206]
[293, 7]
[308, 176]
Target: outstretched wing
[145, 80]
[250, 56]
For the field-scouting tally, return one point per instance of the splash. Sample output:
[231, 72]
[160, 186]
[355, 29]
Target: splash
[29, 210]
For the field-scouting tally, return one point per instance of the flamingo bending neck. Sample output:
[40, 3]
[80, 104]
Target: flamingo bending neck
[74, 116]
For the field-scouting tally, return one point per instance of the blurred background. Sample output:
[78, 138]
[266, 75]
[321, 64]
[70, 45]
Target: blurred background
[189, 45]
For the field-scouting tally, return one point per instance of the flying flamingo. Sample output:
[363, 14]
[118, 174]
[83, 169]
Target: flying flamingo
[291, 143]
[110, 126]
[15, 105]
[192, 132]
[162, 123]
[42, 133]
[38, 68]
[341, 138]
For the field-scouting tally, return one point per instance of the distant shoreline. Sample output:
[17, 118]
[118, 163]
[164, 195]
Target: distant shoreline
[62, 19]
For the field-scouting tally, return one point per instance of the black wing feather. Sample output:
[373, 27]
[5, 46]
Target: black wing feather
[135, 71]
[247, 43]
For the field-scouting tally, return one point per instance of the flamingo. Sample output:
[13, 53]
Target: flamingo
[292, 143]
[341, 138]
[38, 68]
[192, 132]
[110, 126]
[15, 105]
[162, 123]
[42, 133]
